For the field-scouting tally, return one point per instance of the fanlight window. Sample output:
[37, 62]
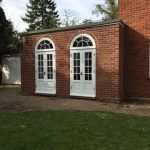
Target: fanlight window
[45, 44]
[82, 41]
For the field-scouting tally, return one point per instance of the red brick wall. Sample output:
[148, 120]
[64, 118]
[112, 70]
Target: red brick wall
[107, 60]
[137, 15]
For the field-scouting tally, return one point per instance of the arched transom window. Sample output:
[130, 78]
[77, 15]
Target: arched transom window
[83, 41]
[45, 44]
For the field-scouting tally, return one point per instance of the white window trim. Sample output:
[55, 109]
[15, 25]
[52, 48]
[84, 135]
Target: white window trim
[52, 49]
[86, 47]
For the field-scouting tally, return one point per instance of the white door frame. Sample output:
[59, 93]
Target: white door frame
[80, 88]
[47, 84]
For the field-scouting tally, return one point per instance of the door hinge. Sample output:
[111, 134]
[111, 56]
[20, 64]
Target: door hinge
[70, 55]
[94, 89]
[71, 87]
[71, 71]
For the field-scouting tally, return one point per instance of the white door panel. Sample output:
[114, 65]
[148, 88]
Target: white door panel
[82, 73]
[45, 73]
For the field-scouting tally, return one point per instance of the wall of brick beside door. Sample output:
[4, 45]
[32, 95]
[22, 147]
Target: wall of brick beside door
[136, 13]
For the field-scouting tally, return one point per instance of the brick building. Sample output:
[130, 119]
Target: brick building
[106, 61]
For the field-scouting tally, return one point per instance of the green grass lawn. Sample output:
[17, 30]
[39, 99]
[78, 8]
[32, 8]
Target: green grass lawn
[73, 130]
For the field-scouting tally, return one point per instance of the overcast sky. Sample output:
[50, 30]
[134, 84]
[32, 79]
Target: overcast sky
[15, 9]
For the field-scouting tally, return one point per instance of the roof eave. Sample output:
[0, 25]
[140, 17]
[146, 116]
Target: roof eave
[90, 25]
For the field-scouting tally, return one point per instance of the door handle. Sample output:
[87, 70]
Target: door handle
[81, 73]
[44, 73]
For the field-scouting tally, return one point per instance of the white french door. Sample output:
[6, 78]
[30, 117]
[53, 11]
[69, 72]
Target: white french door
[82, 73]
[45, 72]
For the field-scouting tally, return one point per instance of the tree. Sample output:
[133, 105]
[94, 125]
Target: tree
[8, 38]
[41, 14]
[87, 21]
[109, 10]
[69, 19]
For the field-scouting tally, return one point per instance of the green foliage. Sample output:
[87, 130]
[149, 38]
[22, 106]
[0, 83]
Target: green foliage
[73, 130]
[8, 37]
[108, 11]
[41, 14]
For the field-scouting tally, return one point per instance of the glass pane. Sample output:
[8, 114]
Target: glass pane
[78, 76]
[51, 69]
[90, 69]
[46, 46]
[42, 69]
[74, 56]
[48, 76]
[78, 62]
[90, 43]
[86, 69]
[38, 57]
[85, 44]
[49, 66]
[39, 46]
[78, 69]
[42, 42]
[86, 55]
[86, 76]
[76, 66]
[41, 63]
[78, 55]
[80, 44]
[79, 39]
[40, 66]
[86, 62]
[75, 70]
[86, 39]
[75, 77]
[51, 63]
[48, 69]
[90, 62]
[90, 76]
[90, 55]
[75, 63]
[43, 47]
[75, 44]
[51, 46]
[46, 42]
[51, 56]
[51, 76]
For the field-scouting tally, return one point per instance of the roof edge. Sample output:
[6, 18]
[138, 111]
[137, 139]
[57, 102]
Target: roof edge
[89, 25]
